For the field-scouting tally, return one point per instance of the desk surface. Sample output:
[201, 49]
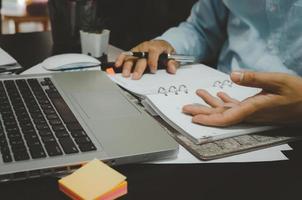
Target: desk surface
[271, 180]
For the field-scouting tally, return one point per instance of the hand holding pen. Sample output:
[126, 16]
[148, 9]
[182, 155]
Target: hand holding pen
[154, 54]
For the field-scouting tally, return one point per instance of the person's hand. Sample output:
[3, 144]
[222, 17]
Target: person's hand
[279, 103]
[154, 49]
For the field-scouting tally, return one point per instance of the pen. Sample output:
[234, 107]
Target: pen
[162, 61]
[164, 57]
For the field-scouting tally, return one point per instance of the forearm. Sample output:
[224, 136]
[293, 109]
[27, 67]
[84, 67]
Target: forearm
[186, 40]
[203, 33]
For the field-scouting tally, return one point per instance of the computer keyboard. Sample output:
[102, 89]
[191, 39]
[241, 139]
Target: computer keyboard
[36, 122]
[233, 145]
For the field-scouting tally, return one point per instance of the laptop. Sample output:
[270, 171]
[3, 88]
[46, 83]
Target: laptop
[53, 123]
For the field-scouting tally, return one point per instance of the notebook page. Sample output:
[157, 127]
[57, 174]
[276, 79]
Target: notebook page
[193, 76]
[170, 109]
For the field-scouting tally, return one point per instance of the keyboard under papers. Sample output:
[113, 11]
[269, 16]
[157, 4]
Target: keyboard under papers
[234, 145]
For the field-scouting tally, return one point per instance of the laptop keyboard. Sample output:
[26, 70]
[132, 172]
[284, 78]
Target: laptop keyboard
[37, 123]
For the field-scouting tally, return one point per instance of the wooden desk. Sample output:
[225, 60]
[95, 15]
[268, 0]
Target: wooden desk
[27, 18]
[270, 180]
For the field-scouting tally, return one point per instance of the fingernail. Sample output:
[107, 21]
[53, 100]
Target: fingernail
[199, 91]
[135, 75]
[125, 73]
[172, 69]
[237, 76]
[153, 71]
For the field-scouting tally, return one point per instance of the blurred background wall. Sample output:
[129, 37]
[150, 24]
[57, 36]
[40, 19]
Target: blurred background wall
[134, 21]
[130, 21]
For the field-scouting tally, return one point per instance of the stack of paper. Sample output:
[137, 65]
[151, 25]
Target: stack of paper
[95, 180]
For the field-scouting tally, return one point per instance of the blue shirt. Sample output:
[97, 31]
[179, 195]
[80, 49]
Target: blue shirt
[260, 35]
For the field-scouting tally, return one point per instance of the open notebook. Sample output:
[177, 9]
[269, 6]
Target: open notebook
[166, 94]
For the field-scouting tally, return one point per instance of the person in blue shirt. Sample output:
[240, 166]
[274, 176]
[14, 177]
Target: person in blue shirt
[246, 36]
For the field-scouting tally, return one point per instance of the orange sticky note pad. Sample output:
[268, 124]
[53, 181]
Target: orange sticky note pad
[94, 181]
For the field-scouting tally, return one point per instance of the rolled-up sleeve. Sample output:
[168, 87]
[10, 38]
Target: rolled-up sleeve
[203, 33]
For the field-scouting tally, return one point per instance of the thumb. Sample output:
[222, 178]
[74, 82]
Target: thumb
[265, 80]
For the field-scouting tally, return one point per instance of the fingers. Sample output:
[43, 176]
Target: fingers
[153, 56]
[194, 109]
[217, 119]
[154, 49]
[127, 62]
[127, 67]
[226, 98]
[120, 60]
[172, 66]
[228, 117]
[140, 67]
[268, 81]
[208, 98]
[221, 116]
[224, 112]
